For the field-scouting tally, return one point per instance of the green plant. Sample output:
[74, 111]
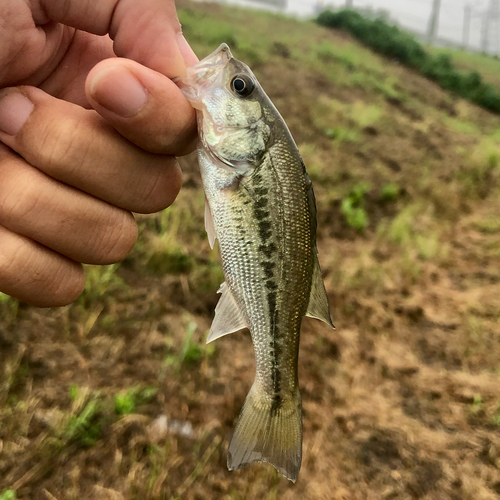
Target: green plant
[390, 192]
[353, 207]
[342, 134]
[391, 41]
[85, 428]
[477, 404]
[8, 495]
[126, 402]
[192, 352]
[100, 280]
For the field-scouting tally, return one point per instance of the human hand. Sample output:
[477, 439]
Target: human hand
[66, 196]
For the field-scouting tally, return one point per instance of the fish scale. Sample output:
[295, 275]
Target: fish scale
[260, 206]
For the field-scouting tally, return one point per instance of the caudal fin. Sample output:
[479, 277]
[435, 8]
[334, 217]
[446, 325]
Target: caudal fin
[268, 431]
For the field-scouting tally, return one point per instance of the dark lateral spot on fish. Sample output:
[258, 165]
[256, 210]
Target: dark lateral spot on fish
[275, 351]
[271, 285]
[268, 268]
[261, 214]
[246, 202]
[261, 191]
[271, 300]
[257, 178]
[276, 404]
[260, 203]
[265, 230]
[268, 250]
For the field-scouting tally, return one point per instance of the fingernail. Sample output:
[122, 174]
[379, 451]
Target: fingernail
[118, 91]
[186, 51]
[14, 111]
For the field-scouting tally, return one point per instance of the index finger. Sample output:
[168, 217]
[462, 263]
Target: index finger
[147, 31]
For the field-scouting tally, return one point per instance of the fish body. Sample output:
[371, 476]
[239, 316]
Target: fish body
[260, 206]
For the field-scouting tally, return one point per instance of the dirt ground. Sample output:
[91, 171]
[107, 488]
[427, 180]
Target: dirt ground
[117, 397]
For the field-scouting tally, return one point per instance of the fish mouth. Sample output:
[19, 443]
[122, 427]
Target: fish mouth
[204, 74]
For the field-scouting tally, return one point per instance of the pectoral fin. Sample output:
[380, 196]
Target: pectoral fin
[228, 317]
[318, 301]
[209, 224]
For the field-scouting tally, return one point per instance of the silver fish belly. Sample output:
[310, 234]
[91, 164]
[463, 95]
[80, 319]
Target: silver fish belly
[261, 208]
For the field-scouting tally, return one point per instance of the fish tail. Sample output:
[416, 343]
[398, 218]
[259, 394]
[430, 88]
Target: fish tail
[268, 431]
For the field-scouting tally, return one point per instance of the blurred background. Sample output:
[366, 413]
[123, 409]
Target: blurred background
[118, 397]
[474, 25]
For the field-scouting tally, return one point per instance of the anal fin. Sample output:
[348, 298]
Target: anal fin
[228, 317]
[318, 301]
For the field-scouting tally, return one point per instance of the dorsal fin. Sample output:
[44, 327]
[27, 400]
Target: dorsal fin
[228, 317]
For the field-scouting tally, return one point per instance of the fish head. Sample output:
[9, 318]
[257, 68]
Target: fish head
[234, 114]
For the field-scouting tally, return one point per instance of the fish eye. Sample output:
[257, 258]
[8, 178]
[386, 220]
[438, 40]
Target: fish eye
[242, 85]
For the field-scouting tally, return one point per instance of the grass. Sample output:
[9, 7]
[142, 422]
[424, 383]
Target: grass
[126, 402]
[395, 43]
[192, 350]
[8, 495]
[406, 183]
[353, 207]
[390, 192]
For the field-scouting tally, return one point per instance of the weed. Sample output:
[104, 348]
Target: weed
[84, 424]
[171, 261]
[495, 419]
[463, 127]
[85, 428]
[191, 352]
[488, 225]
[4, 299]
[342, 134]
[477, 404]
[8, 495]
[480, 173]
[74, 391]
[390, 192]
[353, 207]
[100, 280]
[8, 308]
[126, 402]
[365, 115]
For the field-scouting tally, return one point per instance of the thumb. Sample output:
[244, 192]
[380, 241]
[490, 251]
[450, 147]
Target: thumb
[145, 106]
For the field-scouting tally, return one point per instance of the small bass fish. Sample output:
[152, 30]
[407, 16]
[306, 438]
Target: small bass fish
[260, 206]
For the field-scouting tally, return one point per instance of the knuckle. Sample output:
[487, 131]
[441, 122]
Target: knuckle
[115, 243]
[66, 284]
[9, 261]
[36, 276]
[61, 146]
[160, 187]
[15, 204]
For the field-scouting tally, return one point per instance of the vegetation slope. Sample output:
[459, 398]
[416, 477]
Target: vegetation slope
[118, 397]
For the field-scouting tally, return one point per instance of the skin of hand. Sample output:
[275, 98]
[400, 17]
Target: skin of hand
[86, 137]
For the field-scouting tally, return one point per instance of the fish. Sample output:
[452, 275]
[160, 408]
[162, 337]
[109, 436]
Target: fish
[260, 206]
